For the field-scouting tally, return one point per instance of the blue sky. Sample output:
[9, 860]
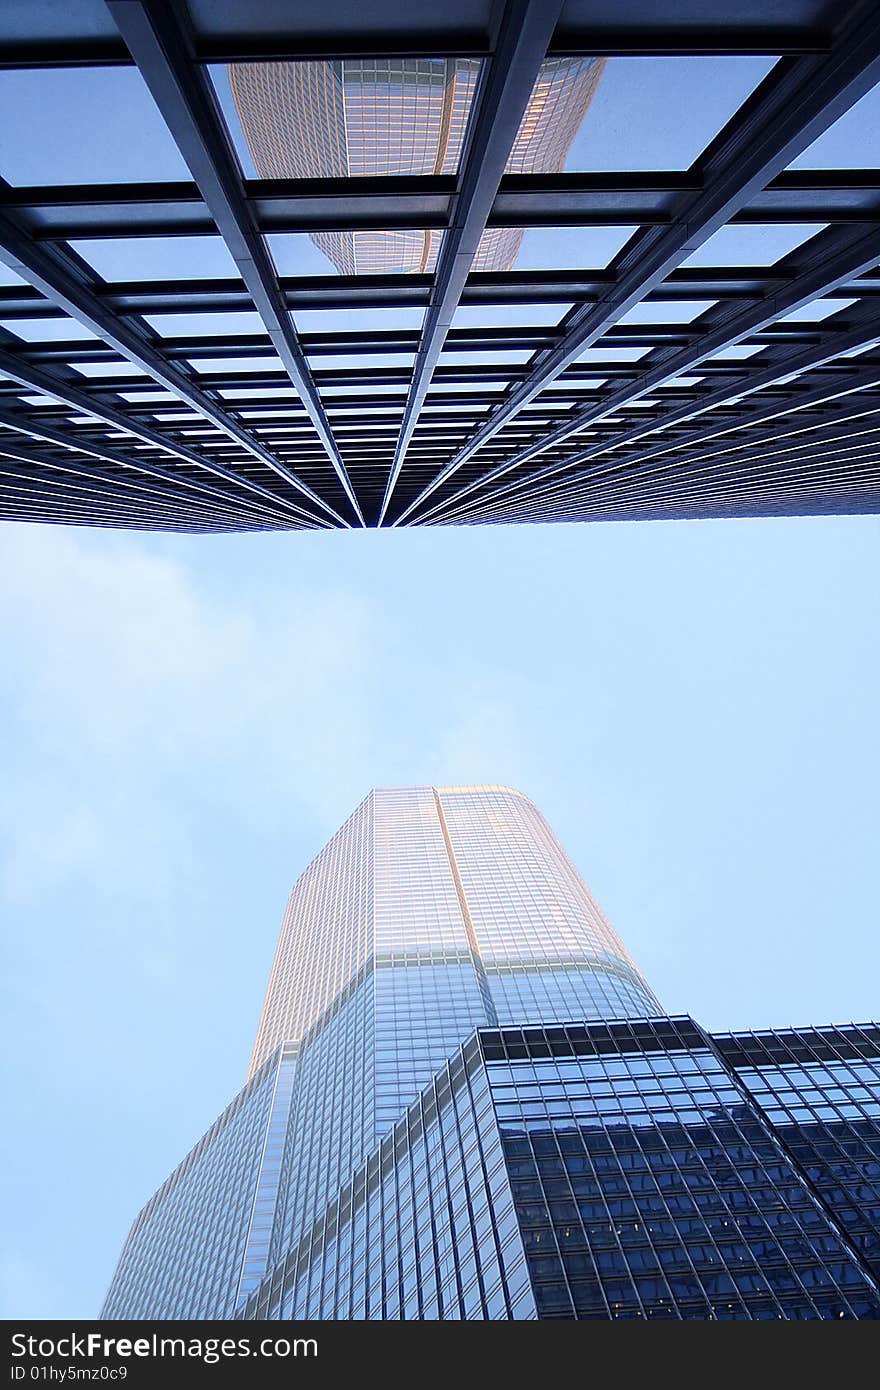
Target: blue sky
[185, 721]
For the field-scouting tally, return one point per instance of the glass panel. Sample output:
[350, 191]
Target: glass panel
[676, 311]
[356, 320]
[109, 369]
[851, 143]
[600, 356]
[499, 356]
[564, 89]
[158, 258]
[752, 244]
[507, 315]
[660, 113]
[55, 128]
[48, 330]
[571, 248]
[205, 325]
[816, 310]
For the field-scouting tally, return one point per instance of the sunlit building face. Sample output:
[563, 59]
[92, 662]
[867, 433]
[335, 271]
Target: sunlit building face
[466, 877]
[398, 116]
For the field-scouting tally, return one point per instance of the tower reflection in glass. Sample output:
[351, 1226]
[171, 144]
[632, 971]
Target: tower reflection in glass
[398, 116]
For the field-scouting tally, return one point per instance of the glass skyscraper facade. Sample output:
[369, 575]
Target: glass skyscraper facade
[201, 1240]
[398, 116]
[620, 1170]
[465, 1101]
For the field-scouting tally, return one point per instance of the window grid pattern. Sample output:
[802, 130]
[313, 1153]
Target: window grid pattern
[558, 992]
[423, 1012]
[625, 1161]
[417, 911]
[415, 997]
[266, 1197]
[558, 105]
[648, 1186]
[325, 937]
[821, 1090]
[426, 1228]
[184, 1255]
[333, 1120]
[547, 948]
[422, 919]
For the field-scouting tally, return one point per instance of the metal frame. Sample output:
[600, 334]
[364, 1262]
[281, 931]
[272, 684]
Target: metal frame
[543, 415]
[507, 81]
[158, 42]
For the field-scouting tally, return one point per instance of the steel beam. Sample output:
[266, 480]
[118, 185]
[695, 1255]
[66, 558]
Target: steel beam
[159, 43]
[606, 436]
[856, 435]
[855, 378]
[76, 445]
[38, 379]
[358, 32]
[513, 288]
[115, 489]
[662, 337]
[820, 452]
[800, 98]
[844, 485]
[507, 83]
[58, 275]
[829, 260]
[70, 504]
[59, 212]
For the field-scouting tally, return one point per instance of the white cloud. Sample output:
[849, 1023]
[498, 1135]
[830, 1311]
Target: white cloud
[146, 692]
[137, 691]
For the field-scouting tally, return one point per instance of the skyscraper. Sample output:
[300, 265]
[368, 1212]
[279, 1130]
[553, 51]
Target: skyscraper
[464, 1101]
[368, 116]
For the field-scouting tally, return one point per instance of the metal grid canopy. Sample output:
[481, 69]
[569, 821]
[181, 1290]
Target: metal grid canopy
[563, 404]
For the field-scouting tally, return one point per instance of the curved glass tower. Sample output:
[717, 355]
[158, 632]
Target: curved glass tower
[431, 913]
[464, 1102]
[469, 888]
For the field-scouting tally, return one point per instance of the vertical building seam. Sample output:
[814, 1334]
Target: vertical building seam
[473, 943]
